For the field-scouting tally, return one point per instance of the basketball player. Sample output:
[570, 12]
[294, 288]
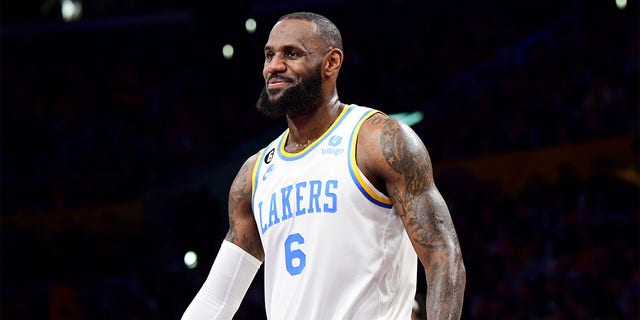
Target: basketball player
[339, 207]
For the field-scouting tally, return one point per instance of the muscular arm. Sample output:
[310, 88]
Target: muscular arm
[400, 163]
[243, 230]
[238, 259]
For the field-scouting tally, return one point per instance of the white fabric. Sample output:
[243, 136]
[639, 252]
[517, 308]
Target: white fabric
[228, 281]
[333, 247]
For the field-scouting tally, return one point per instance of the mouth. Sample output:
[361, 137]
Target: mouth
[278, 82]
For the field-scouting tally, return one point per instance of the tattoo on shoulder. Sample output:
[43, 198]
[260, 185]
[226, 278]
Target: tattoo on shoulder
[405, 159]
[241, 186]
[378, 118]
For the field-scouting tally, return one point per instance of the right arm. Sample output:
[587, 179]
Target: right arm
[238, 260]
[243, 230]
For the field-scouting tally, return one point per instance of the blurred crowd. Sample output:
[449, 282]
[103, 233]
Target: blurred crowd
[96, 115]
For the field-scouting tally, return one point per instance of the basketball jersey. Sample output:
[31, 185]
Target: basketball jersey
[333, 248]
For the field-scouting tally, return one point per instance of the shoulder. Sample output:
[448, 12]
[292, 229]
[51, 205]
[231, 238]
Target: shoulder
[253, 159]
[381, 130]
[388, 147]
[377, 120]
[245, 174]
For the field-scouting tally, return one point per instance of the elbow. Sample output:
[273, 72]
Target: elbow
[460, 273]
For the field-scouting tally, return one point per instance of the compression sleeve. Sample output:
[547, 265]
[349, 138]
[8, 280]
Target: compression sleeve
[229, 279]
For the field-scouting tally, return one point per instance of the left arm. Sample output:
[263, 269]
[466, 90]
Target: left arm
[399, 159]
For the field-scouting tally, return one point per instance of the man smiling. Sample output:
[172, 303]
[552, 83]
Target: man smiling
[339, 233]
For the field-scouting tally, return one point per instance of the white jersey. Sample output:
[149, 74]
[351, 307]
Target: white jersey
[333, 248]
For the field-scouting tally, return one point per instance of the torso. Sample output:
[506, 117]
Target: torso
[333, 248]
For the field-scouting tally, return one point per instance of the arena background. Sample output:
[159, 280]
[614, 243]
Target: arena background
[122, 125]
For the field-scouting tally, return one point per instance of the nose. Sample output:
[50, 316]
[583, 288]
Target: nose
[276, 65]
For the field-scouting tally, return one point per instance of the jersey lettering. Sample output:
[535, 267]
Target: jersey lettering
[273, 211]
[286, 203]
[301, 209]
[314, 196]
[331, 184]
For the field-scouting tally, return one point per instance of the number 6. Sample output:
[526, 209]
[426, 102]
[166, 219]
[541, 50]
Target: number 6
[290, 255]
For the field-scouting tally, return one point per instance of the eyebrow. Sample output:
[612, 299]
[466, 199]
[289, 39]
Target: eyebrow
[287, 47]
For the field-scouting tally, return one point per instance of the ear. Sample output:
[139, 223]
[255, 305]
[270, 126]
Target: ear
[333, 62]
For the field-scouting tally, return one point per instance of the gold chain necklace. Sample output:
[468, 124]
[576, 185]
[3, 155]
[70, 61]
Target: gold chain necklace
[300, 146]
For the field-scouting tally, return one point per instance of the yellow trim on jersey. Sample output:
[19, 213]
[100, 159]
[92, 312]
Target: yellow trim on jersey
[254, 172]
[310, 146]
[354, 165]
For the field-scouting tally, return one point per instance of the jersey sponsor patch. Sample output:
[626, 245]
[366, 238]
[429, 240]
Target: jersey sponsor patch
[334, 141]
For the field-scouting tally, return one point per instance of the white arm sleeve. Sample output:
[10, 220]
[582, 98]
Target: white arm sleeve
[231, 275]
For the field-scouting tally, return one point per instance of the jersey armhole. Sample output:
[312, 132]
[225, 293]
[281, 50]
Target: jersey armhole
[362, 183]
[254, 173]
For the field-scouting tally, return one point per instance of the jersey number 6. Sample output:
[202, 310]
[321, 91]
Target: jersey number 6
[296, 254]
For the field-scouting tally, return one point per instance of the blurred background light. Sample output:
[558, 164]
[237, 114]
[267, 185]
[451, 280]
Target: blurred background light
[227, 51]
[71, 10]
[250, 25]
[621, 4]
[410, 118]
[190, 259]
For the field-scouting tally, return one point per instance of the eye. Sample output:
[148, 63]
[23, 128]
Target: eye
[292, 54]
[268, 55]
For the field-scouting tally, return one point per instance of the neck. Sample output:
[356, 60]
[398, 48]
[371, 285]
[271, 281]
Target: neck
[305, 129]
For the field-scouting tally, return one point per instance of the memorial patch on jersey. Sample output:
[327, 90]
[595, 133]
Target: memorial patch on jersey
[269, 156]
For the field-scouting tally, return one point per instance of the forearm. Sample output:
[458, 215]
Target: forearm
[228, 281]
[446, 282]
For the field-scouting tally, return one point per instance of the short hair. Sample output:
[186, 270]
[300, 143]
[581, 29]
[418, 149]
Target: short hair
[327, 30]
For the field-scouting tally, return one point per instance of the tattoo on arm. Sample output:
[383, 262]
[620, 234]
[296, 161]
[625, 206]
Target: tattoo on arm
[240, 195]
[413, 163]
[236, 194]
[427, 220]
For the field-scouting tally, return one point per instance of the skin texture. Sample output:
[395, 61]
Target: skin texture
[397, 161]
[243, 230]
[389, 153]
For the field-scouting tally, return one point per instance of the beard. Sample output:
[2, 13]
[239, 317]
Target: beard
[298, 99]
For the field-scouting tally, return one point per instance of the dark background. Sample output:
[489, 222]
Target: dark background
[121, 132]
